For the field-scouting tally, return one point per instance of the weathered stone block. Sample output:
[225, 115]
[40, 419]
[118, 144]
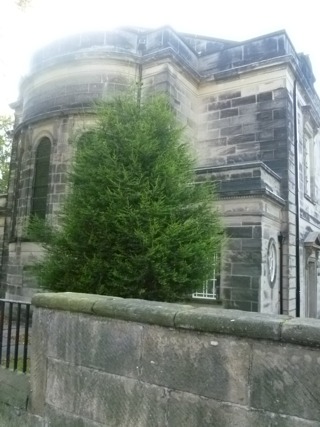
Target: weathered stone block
[228, 112]
[264, 115]
[238, 323]
[279, 114]
[219, 105]
[240, 305]
[244, 294]
[232, 130]
[227, 361]
[59, 418]
[188, 410]
[251, 244]
[18, 417]
[229, 95]
[244, 100]
[239, 232]
[246, 269]
[280, 132]
[101, 343]
[238, 281]
[284, 379]
[114, 401]
[264, 96]
[14, 388]
[242, 138]
[40, 330]
[302, 331]
[156, 312]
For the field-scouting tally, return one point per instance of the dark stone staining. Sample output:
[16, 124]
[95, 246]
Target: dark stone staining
[257, 232]
[241, 256]
[265, 135]
[255, 283]
[264, 116]
[229, 113]
[248, 110]
[241, 176]
[232, 130]
[261, 49]
[280, 133]
[244, 100]
[281, 153]
[246, 269]
[242, 282]
[243, 157]
[264, 96]
[219, 124]
[242, 138]
[255, 307]
[244, 294]
[279, 114]
[280, 93]
[251, 244]
[226, 293]
[229, 95]
[267, 155]
[241, 305]
[239, 232]
[228, 59]
[219, 105]
[239, 185]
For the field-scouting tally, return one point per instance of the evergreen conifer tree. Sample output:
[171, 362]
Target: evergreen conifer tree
[136, 223]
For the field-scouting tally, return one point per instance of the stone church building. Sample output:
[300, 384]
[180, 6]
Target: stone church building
[251, 115]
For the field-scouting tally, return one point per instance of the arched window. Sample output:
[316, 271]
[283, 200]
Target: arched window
[41, 179]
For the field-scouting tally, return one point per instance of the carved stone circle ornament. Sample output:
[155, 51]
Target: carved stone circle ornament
[272, 262]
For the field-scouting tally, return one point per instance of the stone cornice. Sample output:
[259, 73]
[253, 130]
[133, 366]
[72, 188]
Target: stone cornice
[231, 167]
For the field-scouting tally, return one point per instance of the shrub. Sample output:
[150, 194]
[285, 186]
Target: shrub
[136, 223]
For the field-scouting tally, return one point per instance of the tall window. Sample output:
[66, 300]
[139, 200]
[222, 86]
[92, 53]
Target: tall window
[41, 179]
[308, 166]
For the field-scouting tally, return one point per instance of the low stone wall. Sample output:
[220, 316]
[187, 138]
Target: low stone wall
[103, 361]
[14, 398]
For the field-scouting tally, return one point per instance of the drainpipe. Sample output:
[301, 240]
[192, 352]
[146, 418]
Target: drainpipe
[281, 240]
[297, 197]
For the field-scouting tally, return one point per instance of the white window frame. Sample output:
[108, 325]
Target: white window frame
[209, 289]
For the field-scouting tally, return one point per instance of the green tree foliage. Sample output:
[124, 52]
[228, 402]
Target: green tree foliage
[5, 152]
[135, 223]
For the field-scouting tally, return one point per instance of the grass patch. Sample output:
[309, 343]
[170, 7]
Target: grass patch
[19, 365]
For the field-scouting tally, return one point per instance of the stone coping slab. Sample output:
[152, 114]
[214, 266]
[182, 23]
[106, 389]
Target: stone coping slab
[228, 322]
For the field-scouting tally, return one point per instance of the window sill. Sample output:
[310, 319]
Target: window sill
[310, 199]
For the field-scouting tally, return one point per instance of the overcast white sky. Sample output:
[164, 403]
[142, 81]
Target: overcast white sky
[22, 33]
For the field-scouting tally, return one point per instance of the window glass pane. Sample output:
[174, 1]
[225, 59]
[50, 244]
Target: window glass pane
[41, 179]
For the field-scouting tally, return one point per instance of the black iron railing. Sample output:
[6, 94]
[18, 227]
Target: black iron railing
[15, 327]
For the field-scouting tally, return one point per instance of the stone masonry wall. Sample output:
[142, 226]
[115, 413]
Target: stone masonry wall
[236, 127]
[14, 397]
[103, 361]
[250, 206]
